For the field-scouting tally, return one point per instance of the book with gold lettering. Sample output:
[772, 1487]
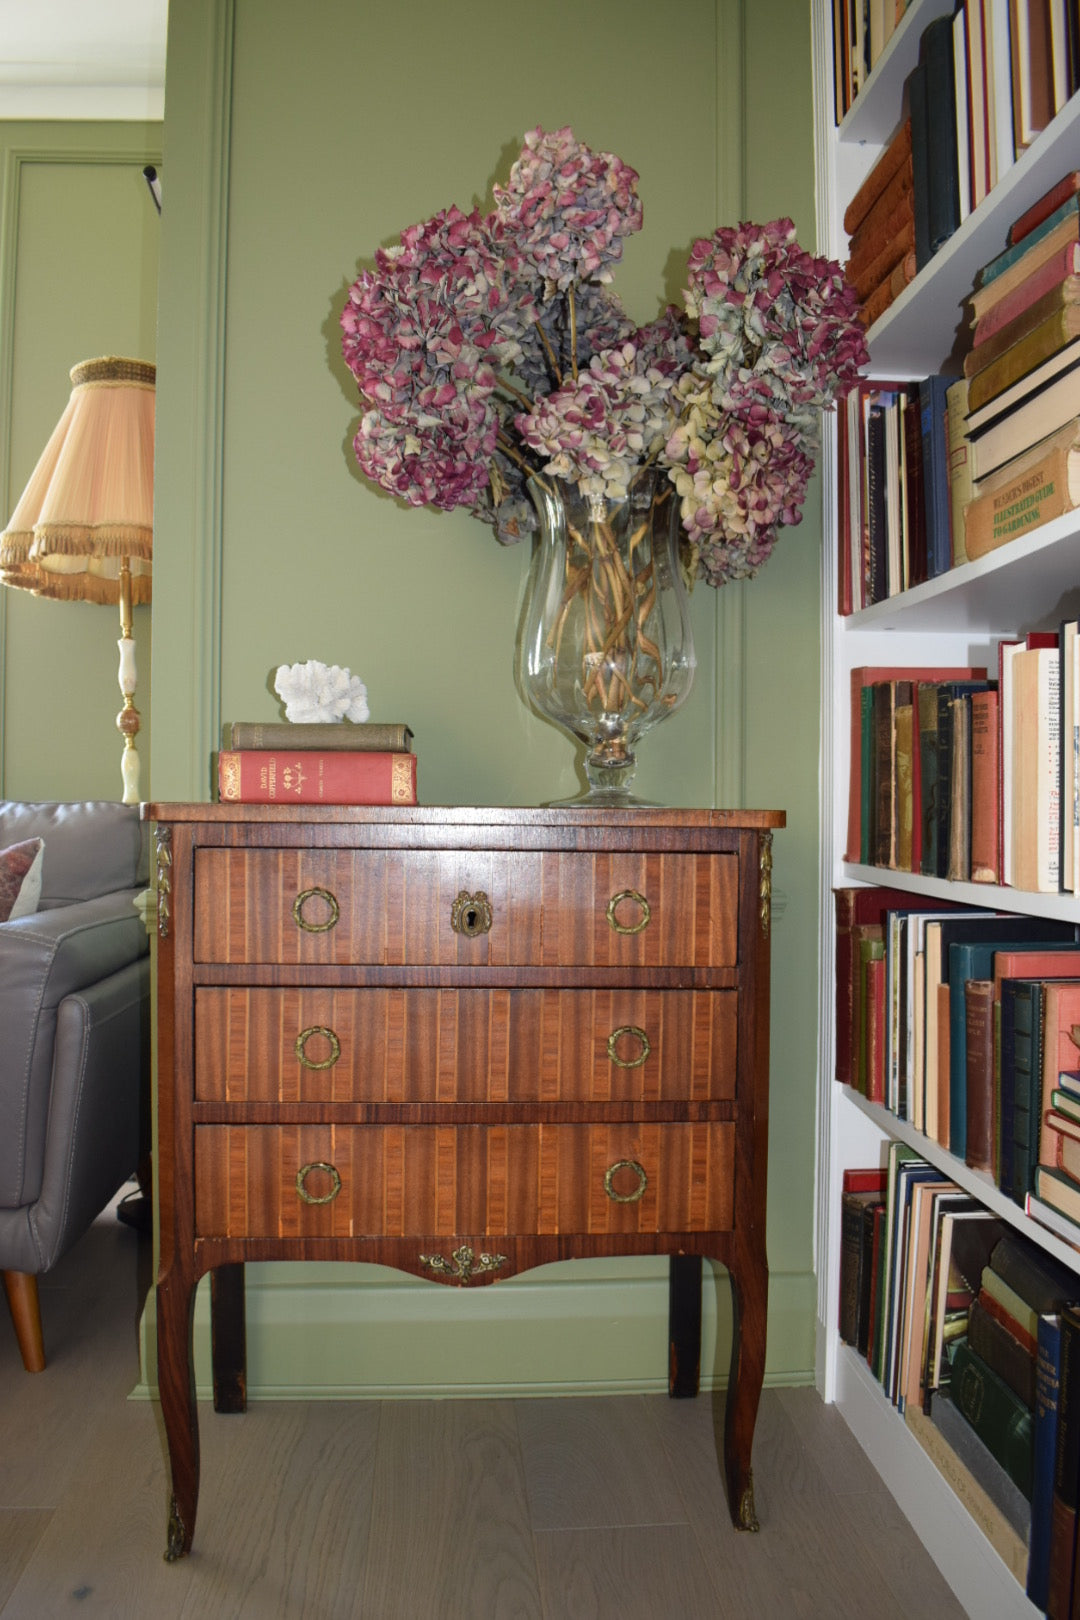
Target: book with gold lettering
[1029, 491]
[311, 776]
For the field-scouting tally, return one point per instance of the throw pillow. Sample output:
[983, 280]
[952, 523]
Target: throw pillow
[20, 878]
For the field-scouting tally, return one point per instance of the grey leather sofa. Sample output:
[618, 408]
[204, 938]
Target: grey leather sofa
[74, 1041]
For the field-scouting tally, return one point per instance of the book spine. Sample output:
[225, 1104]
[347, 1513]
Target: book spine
[991, 317]
[897, 240]
[1035, 497]
[369, 736]
[979, 1075]
[851, 1225]
[1059, 298]
[1022, 357]
[984, 778]
[895, 155]
[886, 216]
[920, 161]
[959, 465]
[266, 776]
[1046, 205]
[1015, 251]
[998, 1417]
[942, 175]
[1003, 1354]
[1047, 1386]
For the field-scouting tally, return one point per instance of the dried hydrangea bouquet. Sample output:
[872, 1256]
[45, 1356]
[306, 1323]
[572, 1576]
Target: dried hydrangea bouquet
[499, 372]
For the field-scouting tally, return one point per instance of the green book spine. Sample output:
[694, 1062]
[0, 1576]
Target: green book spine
[998, 1416]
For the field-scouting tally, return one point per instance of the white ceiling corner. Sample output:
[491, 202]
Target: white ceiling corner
[82, 58]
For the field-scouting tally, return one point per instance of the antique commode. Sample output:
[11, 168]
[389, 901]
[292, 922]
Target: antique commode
[460, 1042]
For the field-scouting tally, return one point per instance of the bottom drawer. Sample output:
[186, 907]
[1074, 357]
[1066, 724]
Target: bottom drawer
[446, 1181]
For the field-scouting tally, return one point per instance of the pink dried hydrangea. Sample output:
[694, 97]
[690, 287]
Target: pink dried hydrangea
[487, 349]
[566, 209]
[597, 429]
[779, 326]
[739, 478]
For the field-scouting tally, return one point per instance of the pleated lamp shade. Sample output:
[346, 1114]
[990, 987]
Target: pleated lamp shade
[90, 500]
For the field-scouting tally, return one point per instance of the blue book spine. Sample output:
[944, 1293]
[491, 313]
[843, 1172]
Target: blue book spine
[1047, 1382]
[935, 474]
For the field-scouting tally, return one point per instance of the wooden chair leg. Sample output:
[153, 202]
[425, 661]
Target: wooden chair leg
[21, 1288]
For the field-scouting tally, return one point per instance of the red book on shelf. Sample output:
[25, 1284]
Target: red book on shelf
[1044, 206]
[1064, 263]
[310, 776]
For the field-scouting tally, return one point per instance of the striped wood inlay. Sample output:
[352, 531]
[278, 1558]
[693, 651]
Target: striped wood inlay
[484, 1045]
[550, 908]
[461, 1181]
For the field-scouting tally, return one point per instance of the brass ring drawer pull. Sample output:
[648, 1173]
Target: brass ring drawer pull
[631, 897]
[315, 927]
[638, 1035]
[471, 914]
[635, 1169]
[305, 1171]
[302, 1039]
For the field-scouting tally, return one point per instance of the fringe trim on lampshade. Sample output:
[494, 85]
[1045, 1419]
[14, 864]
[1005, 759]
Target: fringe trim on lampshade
[79, 540]
[86, 587]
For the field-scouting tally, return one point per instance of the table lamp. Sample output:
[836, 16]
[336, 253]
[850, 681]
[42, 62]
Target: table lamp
[83, 529]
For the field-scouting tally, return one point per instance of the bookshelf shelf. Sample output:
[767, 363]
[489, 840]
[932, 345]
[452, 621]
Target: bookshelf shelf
[975, 1182]
[1033, 582]
[994, 898]
[1030, 584]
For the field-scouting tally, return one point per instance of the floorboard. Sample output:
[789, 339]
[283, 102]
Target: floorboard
[601, 1508]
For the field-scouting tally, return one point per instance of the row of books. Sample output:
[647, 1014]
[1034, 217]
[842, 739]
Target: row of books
[940, 471]
[283, 762]
[974, 1334]
[973, 779]
[966, 1024]
[861, 31]
[990, 76]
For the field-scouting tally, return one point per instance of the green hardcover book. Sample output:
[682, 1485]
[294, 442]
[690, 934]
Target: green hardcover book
[998, 1416]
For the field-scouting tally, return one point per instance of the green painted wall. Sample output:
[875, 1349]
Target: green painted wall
[297, 140]
[78, 278]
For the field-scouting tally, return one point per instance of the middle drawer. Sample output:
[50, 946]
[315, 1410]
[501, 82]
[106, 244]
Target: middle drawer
[463, 1045]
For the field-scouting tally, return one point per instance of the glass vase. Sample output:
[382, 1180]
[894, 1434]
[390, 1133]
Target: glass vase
[607, 648]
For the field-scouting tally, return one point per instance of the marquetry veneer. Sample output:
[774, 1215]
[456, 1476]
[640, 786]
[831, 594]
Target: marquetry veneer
[461, 1043]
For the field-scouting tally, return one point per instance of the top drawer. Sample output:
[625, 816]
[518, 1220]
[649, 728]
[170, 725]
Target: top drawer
[469, 907]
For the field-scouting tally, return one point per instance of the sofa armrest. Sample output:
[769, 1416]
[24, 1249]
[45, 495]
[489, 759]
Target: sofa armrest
[43, 959]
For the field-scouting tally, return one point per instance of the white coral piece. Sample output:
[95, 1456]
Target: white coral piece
[315, 692]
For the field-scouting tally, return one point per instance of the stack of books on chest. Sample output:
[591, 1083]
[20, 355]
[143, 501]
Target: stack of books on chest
[286, 763]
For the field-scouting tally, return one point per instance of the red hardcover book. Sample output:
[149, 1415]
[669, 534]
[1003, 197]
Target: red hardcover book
[308, 776]
[1064, 263]
[855, 908]
[984, 787]
[869, 1179]
[875, 1030]
[1046, 205]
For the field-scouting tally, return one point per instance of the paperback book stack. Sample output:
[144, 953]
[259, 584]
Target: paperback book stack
[880, 220]
[287, 763]
[1023, 375]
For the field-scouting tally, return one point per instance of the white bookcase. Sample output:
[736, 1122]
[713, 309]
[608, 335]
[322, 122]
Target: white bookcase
[955, 619]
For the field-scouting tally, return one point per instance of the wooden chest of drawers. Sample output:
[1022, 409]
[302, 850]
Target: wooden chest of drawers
[462, 1043]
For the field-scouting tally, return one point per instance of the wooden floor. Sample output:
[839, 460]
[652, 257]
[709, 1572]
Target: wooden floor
[421, 1510]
